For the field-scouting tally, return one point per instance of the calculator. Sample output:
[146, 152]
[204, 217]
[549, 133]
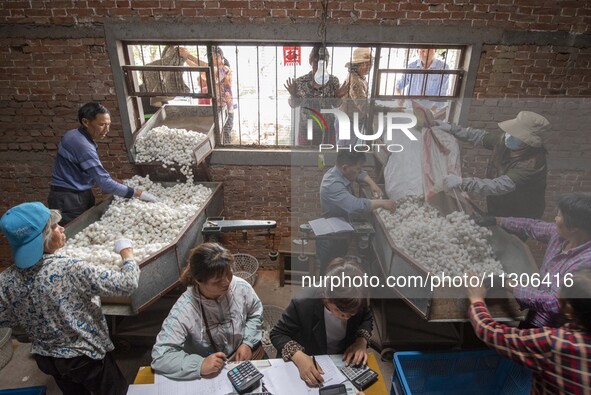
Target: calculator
[244, 377]
[360, 375]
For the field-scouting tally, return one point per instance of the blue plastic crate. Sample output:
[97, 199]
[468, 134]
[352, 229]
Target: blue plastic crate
[458, 373]
[25, 391]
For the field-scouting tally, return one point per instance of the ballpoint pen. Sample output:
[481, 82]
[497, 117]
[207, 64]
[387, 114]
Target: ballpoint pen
[317, 368]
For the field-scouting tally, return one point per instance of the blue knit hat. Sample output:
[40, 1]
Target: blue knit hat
[23, 227]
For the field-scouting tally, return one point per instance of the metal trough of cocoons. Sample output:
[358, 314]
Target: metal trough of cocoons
[448, 304]
[160, 271]
[189, 117]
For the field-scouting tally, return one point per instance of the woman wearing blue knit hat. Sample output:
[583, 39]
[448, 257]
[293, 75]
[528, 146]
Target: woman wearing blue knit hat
[53, 298]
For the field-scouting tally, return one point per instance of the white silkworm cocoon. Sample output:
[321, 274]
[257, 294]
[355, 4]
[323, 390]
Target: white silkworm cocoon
[453, 244]
[170, 146]
[150, 226]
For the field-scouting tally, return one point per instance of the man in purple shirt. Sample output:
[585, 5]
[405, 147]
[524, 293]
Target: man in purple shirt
[569, 249]
[78, 168]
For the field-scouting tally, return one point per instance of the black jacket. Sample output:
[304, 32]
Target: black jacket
[303, 322]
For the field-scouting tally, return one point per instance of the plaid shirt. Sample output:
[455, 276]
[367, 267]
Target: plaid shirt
[560, 358]
[544, 300]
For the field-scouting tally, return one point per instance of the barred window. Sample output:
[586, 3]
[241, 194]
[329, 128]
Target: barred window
[254, 104]
[428, 72]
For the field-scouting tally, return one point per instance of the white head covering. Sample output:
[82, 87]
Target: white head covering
[527, 127]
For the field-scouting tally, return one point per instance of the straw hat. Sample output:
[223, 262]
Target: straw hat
[360, 55]
[527, 127]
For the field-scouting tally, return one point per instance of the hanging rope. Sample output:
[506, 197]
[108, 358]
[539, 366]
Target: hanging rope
[323, 22]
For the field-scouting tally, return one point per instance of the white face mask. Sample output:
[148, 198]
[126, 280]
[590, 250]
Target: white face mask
[513, 143]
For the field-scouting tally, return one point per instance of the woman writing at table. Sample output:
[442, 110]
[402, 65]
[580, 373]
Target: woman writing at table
[218, 317]
[330, 320]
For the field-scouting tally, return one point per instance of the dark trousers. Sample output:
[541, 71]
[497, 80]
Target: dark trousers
[329, 249]
[83, 375]
[228, 128]
[71, 203]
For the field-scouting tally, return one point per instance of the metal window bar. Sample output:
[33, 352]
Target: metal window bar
[276, 98]
[258, 98]
[383, 74]
[425, 78]
[377, 77]
[456, 51]
[293, 122]
[376, 68]
[211, 89]
[238, 109]
[444, 66]
[406, 66]
[134, 91]
[132, 72]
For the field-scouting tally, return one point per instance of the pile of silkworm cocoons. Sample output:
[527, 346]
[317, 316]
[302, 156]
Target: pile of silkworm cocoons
[172, 147]
[150, 226]
[453, 244]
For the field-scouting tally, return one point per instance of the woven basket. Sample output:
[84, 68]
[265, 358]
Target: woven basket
[271, 315]
[5, 346]
[249, 277]
[246, 266]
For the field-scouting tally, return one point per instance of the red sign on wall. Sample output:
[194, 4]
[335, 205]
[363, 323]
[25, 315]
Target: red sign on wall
[292, 56]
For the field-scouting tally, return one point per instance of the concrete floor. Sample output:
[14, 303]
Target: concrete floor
[135, 336]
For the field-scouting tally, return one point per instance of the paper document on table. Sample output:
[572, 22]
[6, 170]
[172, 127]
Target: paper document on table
[142, 389]
[219, 384]
[328, 226]
[284, 378]
[332, 374]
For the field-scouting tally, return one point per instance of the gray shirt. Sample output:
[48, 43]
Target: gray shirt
[336, 195]
[183, 343]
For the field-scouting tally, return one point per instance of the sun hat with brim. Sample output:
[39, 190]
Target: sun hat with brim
[360, 55]
[23, 226]
[527, 127]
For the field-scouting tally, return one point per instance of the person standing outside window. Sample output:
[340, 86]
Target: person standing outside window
[434, 85]
[78, 168]
[224, 75]
[223, 79]
[356, 98]
[305, 92]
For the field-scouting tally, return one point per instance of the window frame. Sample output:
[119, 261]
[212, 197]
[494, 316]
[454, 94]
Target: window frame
[228, 33]
[459, 72]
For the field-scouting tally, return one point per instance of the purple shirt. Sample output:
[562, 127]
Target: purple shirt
[78, 167]
[544, 300]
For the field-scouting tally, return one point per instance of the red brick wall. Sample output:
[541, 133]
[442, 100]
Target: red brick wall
[526, 15]
[255, 192]
[281, 193]
[44, 81]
